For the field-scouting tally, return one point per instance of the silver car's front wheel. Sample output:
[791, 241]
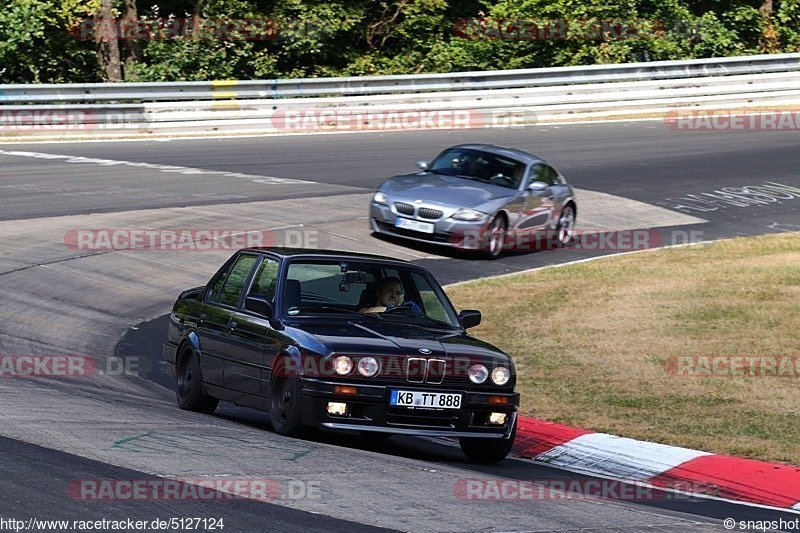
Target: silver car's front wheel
[495, 237]
[565, 231]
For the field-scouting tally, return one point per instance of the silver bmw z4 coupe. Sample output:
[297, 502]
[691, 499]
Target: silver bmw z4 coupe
[478, 197]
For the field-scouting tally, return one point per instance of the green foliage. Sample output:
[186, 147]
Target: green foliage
[371, 37]
[36, 45]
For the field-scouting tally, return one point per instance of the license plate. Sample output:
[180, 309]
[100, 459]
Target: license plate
[425, 400]
[414, 225]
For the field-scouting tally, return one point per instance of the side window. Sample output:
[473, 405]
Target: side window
[534, 174]
[216, 289]
[552, 176]
[540, 172]
[266, 279]
[236, 278]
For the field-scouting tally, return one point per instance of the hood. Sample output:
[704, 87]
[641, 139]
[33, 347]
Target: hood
[388, 337]
[445, 190]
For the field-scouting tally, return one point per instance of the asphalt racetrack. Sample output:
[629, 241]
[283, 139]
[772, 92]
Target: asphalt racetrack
[60, 298]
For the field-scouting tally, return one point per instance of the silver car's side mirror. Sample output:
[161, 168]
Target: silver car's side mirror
[423, 165]
[538, 186]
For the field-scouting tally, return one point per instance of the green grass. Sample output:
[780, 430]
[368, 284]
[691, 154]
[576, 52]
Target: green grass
[592, 343]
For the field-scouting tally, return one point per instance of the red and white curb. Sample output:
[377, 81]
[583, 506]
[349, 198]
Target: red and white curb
[660, 465]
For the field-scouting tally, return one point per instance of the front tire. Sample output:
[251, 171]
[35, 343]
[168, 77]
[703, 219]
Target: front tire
[565, 229]
[284, 409]
[485, 450]
[189, 385]
[495, 237]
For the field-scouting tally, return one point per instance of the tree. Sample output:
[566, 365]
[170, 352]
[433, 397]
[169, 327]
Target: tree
[41, 41]
[133, 52]
[107, 41]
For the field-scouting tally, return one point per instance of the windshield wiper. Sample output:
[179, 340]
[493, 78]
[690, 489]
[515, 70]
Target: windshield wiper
[406, 312]
[338, 310]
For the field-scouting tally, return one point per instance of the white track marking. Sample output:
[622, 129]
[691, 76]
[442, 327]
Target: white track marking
[255, 178]
[620, 457]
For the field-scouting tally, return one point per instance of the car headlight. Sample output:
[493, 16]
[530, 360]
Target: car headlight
[501, 375]
[478, 374]
[468, 215]
[342, 365]
[368, 366]
[380, 198]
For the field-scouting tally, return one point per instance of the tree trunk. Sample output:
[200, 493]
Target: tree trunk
[107, 42]
[133, 52]
[197, 14]
[770, 40]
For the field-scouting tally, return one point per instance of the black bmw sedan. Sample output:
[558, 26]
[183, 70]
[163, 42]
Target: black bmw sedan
[341, 340]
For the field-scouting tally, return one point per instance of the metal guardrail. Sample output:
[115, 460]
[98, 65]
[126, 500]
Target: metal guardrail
[487, 99]
[407, 84]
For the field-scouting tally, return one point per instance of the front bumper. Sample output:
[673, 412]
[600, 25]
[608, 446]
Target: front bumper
[447, 231]
[369, 410]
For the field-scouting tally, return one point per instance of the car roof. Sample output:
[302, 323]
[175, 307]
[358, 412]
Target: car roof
[513, 153]
[315, 253]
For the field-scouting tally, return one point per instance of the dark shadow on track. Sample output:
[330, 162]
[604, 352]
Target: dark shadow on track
[45, 484]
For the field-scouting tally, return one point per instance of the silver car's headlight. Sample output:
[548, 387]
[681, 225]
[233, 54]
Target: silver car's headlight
[500, 375]
[380, 198]
[468, 215]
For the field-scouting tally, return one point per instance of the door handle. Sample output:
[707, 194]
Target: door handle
[233, 325]
[203, 317]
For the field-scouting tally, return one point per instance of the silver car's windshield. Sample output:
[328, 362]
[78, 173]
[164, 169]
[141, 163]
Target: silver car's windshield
[388, 291]
[481, 166]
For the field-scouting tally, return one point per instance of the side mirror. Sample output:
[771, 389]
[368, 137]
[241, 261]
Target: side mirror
[469, 318]
[538, 186]
[423, 165]
[258, 304]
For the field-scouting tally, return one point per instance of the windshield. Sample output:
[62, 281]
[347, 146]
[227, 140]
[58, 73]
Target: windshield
[481, 166]
[368, 290]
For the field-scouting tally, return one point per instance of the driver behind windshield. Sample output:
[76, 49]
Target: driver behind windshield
[466, 165]
[389, 294]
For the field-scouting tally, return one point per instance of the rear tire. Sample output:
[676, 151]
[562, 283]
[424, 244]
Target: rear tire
[487, 450]
[189, 384]
[284, 408]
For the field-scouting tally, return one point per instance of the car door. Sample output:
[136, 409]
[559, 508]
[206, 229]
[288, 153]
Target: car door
[538, 204]
[560, 192]
[212, 322]
[254, 343]
[216, 316]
